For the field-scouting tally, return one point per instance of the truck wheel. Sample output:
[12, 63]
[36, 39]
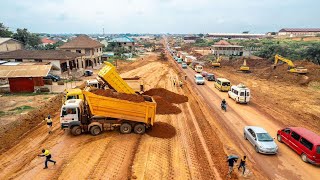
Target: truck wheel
[139, 129]
[95, 130]
[76, 130]
[125, 128]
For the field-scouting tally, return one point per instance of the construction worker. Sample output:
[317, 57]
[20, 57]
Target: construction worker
[243, 164]
[46, 153]
[185, 77]
[49, 123]
[174, 82]
[180, 83]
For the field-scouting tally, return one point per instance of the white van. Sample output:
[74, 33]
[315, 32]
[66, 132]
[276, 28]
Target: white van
[198, 79]
[240, 93]
[198, 68]
[92, 83]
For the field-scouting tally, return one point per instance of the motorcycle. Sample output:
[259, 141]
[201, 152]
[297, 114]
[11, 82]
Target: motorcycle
[224, 106]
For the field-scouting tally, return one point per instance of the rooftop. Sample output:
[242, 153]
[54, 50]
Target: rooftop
[82, 41]
[300, 30]
[40, 54]
[223, 43]
[307, 134]
[48, 41]
[2, 40]
[122, 39]
[24, 71]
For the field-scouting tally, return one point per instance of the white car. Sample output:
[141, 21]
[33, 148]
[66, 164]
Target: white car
[198, 79]
[260, 139]
[240, 93]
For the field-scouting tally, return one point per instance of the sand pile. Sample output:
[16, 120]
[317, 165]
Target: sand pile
[122, 96]
[167, 95]
[165, 107]
[162, 130]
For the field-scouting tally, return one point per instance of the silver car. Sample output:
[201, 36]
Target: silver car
[260, 139]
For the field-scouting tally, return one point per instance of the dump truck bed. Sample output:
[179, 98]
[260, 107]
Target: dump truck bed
[115, 108]
[110, 76]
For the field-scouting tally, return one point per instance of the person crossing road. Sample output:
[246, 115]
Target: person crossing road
[49, 123]
[46, 153]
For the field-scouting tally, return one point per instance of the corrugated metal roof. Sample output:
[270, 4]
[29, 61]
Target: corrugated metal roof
[40, 54]
[300, 30]
[24, 71]
[122, 39]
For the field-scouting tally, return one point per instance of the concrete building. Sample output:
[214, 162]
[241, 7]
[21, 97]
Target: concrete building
[61, 61]
[190, 39]
[83, 44]
[9, 44]
[292, 32]
[224, 48]
[234, 36]
[124, 42]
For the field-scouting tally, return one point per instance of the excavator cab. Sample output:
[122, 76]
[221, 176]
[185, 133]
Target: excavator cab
[244, 67]
[216, 63]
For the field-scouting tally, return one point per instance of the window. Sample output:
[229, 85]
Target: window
[73, 97]
[295, 136]
[100, 49]
[236, 92]
[97, 50]
[38, 60]
[18, 60]
[248, 93]
[287, 131]
[306, 143]
[226, 84]
[71, 111]
[241, 93]
[78, 51]
[318, 149]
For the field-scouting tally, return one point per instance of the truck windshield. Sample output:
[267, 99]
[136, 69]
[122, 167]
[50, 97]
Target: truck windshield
[67, 111]
[264, 137]
[72, 97]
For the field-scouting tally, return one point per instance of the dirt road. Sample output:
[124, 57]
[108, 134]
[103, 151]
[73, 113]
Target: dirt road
[285, 165]
[193, 153]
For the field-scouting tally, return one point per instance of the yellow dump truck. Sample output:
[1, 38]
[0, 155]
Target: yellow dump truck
[109, 75]
[96, 113]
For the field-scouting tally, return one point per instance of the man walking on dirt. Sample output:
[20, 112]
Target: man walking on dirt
[46, 153]
[243, 164]
[49, 123]
[231, 162]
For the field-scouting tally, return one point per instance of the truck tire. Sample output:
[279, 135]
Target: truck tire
[125, 128]
[95, 130]
[76, 130]
[139, 129]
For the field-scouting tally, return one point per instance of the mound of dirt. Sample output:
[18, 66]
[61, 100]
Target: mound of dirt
[122, 96]
[167, 95]
[165, 107]
[10, 133]
[162, 130]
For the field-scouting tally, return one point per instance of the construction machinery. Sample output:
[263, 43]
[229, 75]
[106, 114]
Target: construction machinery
[291, 67]
[216, 63]
[244, 67]
[95, 113]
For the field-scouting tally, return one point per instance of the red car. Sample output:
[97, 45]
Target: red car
[305, 142]
[204, 73]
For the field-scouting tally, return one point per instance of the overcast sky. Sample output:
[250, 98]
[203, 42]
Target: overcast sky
[158, 16]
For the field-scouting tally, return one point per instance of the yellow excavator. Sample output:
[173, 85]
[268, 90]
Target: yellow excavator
[216, 63]
[292, 68]
[244, 67]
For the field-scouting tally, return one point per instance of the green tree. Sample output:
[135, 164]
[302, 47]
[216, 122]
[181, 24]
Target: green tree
[4, 31]
[27, 38]
[162, 57]
[51, 46]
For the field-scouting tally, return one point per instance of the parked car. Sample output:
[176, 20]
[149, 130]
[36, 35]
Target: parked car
[240, 93]
[198, 79]
[222, 84]
[88, 73]
[204, 73]
[210, 77]
[54, 78]
[184, 65]
[260, 139]
[305, 142]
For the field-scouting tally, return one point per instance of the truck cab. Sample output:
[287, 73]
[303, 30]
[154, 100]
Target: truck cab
[73, 94]
[93, 83]
[240, 93]
[70, 114]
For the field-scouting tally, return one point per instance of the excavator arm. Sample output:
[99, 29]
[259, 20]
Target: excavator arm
[288, 61]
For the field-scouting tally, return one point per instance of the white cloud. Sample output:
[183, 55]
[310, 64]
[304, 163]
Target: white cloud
[83, 16]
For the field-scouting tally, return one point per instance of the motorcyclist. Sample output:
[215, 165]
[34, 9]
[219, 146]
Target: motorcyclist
[224, 104]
